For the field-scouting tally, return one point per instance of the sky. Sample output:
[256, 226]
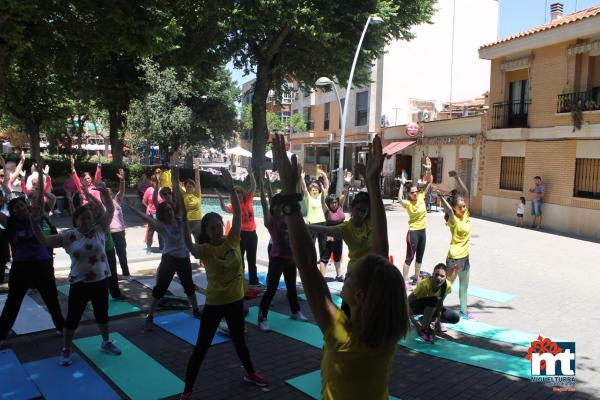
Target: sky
[515, 16]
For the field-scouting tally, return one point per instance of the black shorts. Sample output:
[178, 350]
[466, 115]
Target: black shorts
[415, 246]
[519, 215]
[335, 248]
[417, 307]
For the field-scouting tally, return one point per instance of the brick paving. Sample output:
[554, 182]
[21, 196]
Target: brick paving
[414, 375]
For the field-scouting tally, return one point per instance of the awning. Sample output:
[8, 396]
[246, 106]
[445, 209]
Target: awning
[395, 147]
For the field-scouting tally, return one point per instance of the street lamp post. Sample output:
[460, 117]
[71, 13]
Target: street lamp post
[325, 81]
[373, 19]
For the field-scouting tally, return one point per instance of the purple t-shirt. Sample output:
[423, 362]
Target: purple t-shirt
[25, 247]
[538, 190]
[336, 217]
[280, 239]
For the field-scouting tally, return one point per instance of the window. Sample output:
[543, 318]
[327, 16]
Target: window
[437, 169]
[362, 106]
[511, 173]
[342, 101]
[326, 117]
[309, 155]
[287, 98]
[308, 118]
[587, 178]
[323, 156]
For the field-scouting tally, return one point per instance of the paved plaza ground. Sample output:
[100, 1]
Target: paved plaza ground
[552, 277]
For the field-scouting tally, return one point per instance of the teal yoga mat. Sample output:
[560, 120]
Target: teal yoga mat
[337, 300]
[283, 324]
[115, 307]
[470, 355]
[134, 372]
[488, 294]
[310, 384]
[476, 328]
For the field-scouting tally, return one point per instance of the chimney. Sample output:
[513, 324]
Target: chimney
[556, 11]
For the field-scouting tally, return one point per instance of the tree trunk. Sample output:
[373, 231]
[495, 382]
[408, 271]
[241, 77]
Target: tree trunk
[259, 119]
[4, 50]
[33, 130]
[116, 121]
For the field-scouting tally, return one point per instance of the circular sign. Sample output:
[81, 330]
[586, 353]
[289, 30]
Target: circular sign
[413, 129]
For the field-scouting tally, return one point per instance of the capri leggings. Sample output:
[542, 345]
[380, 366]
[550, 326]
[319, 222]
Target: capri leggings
[415, 245]
[169, 265]
[335, 247]
[80, 294]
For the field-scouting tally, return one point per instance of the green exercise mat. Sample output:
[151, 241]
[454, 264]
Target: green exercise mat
[470, 355]
[303, 331]
[488, 294]
[134, 372]
[337, 300]
[115, 307]
[476, 328]
[310, 384]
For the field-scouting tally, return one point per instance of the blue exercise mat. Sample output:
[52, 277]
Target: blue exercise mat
[32, 316]
[186, 327]
[14, 382]
[310, 384]
[77, 381]
[337, 300]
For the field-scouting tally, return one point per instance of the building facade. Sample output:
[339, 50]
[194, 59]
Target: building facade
[545, 121]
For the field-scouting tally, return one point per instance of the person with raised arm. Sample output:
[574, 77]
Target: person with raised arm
[335, 245]
[192, 199]
[248, 237]
[90, 272]
[225, 290]
[416, 237]
[32, 264]
[14, 175]
[459, 222]
[175, 256]
[148, 202]
[117, 225]
[280, 261]
[316, 208]
[359, 349]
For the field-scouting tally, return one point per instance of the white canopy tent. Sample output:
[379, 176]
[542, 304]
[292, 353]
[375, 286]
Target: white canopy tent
[269, 154]
[238, 151]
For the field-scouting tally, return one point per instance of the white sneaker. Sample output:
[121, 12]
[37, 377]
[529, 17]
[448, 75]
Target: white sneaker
[264, 325]
[223, 328]
[299, 316]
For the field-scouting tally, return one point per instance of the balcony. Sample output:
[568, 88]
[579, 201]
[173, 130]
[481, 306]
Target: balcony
[510, 114]
[585, 101]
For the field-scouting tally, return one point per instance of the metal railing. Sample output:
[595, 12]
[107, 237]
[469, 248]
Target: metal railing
[510, 114]
[585, 101]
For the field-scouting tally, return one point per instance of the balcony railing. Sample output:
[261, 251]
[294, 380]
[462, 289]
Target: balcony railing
[585, 101]
[510, 114]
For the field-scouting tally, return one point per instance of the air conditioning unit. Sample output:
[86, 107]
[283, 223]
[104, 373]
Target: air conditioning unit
[423, 116]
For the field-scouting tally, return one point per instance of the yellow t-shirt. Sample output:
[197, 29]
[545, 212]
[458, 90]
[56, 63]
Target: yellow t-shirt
[358, 239]
[193, 206]
[314, 210]
[351, 370]
[461, 236]
[424, 289]
[224, 271]
[165, 179]
[416, 212]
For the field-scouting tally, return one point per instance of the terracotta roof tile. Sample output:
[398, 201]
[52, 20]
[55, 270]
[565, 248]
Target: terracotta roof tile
[566, 19]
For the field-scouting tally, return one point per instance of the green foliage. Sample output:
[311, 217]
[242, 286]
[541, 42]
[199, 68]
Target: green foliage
[296, 123]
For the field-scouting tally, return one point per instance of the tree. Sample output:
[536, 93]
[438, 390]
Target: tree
[301, 41]
[296, 123]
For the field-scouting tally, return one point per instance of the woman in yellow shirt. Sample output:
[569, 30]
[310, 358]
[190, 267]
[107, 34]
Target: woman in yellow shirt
[416, 237]
[192, 200]
[458, 220]
[358, 350]
[314, 198]
[225, 290]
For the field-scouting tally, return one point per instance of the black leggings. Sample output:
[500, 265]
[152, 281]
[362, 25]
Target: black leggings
[80, 294]
[168, 266]
[418, 307]
[24, 275]
[278, 266]
[113, 279]
[415, 245]
[211, 316]
[121, 249]
[322, 243]
[4, 253]
[248, 244]
[335, 247]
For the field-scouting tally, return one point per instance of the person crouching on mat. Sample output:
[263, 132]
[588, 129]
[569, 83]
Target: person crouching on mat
[89, 268]
[280, 261]
[225, 289]
[359, 349]
[175, 256]
[427, 299]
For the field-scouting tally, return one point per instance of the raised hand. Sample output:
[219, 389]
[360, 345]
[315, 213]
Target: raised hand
[375, 160]
[22, 156]
[227, 179]
[46, 169]
[98, 155]
[121, 174]
[289, 171]
[72, 162]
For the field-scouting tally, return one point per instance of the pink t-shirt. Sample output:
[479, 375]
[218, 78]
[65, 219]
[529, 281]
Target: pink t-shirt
[118, 222]
[151, 209]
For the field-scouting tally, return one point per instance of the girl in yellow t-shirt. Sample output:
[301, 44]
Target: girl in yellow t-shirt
[458, 220]
[225, 291]
[358, 349]
[192, 200]
[416, 236]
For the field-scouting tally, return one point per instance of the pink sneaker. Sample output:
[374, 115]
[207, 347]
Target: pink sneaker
[257, 379]
[426, 337]
[442, 327]
[468, 315]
